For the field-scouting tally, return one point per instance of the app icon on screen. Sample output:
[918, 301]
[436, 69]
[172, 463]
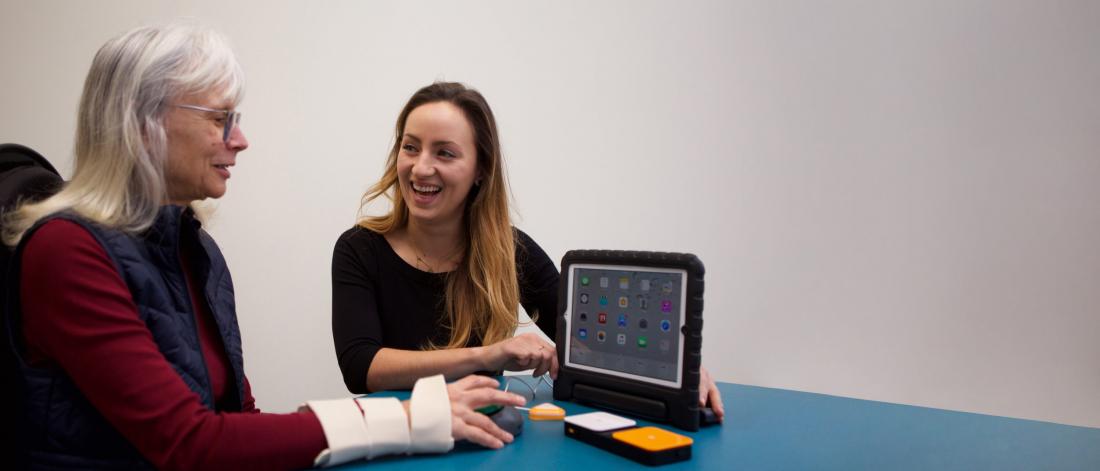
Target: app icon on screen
[584, 298]
[621, 339]
[624, 283]
[601, 317]
[622, 320]
[584, 281]
[642, 324]
[582, 333]
[645, 285]
[664, 345]
[666, 325]
[643, 303]
[584, 317]
[601, 335]
[624, 301]
[603, 300]
[667, 287]
[603, 282]
[666, 305]
[642, 342]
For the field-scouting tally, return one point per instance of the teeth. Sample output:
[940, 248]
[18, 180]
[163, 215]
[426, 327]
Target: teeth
[425, 188]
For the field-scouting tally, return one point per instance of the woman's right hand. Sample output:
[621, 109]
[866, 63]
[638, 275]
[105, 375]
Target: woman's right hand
[524, 352]
[470, 393]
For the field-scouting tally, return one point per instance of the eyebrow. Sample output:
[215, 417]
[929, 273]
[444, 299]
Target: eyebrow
[434, 143]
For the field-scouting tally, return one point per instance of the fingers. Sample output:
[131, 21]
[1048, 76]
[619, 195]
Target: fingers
[544, 362]
[484, 423]
[474, 382]
[704, 386]
[529, 351]
[467, 424]
[554, 366]
[484, 396]
[708, 391]
[716, 402]
[476, 435]
[519, 352]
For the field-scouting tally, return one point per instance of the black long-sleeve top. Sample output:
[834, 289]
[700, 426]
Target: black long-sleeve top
[380, 301]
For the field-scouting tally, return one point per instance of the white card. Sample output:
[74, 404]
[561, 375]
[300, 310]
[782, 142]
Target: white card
[600, 421]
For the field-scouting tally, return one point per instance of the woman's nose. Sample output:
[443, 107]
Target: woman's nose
[237, 141]
[423, 166]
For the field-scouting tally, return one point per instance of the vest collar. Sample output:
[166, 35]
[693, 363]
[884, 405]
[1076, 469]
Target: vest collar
[169, 225]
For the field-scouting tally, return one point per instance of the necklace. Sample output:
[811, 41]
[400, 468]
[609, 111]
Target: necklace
[420, 259]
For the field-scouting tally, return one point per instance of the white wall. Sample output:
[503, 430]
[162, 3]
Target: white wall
[895, 200]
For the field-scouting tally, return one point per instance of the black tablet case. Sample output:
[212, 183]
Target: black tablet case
[679, 407]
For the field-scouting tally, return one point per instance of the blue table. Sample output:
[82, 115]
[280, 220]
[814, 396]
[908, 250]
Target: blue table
[769, 428]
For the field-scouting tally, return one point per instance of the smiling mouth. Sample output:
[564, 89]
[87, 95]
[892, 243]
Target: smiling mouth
[426, 190]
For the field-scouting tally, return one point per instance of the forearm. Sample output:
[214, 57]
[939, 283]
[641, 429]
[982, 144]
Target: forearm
[399, 369]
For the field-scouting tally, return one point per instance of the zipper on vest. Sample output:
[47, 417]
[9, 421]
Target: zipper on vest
[194, 314]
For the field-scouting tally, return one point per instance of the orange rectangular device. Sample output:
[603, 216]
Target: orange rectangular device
[652, 438]
[647, 445]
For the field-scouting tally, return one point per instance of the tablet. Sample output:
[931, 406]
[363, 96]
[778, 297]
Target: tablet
[626, 321]
[630, 333]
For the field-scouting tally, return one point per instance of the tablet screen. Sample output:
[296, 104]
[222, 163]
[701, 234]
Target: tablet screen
[626, 321]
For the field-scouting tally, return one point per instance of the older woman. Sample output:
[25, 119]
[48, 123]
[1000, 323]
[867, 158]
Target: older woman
[122, 315]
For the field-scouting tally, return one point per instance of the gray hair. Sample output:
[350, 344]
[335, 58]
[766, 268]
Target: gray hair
[121, 145]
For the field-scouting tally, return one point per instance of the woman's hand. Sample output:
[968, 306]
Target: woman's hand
[524, 352]
[708, 390]
[468, 394]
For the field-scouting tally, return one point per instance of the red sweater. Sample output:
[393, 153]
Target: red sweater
[78, 316]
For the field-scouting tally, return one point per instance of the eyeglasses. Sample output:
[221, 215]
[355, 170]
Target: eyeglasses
[231, 117]
[528, 387]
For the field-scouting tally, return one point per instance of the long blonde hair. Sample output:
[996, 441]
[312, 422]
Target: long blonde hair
[121, 145]
[485, 280]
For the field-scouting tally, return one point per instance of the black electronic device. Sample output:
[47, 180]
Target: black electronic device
[629, 335]
[508, 419]
[647, 445]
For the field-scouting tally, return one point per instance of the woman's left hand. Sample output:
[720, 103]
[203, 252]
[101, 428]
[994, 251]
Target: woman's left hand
[708, 390]
[469, 393]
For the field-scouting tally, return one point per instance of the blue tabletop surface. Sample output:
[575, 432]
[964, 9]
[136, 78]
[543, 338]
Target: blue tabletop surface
[768, 428]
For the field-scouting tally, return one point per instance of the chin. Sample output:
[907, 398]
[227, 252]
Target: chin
[420, 214]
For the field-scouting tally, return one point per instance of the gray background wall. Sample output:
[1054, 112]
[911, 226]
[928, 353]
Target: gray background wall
[897, 201]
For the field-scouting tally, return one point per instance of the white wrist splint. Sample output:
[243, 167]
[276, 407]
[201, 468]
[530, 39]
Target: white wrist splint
[387, 426]
[345, 431]
[430, 408]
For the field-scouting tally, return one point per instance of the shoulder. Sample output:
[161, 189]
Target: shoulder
[529, 255]
[59, 235]
[360, 246]
[524, 241]
[359, 235]
[60, 245]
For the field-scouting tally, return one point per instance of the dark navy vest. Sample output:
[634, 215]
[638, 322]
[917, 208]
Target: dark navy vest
[61, 429]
